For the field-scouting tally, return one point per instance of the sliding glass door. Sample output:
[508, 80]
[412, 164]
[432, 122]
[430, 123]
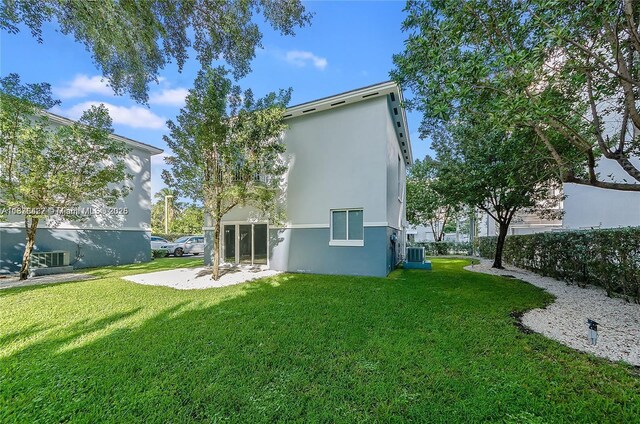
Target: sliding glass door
[246, 244]
[230, 243]
[260, 244]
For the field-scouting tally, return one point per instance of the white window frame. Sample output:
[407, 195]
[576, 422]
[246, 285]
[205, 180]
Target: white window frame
[347, 242]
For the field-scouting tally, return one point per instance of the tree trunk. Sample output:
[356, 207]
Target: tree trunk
[216, 250]
[31, 240]
[502, 235]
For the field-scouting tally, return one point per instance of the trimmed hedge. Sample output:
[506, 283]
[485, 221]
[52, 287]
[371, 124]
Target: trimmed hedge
[608, 258]
[433, 248]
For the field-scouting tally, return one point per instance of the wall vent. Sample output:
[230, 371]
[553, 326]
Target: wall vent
[337, 103]
[393, 97]
[308, 110]
[369, 95]
[49, 259]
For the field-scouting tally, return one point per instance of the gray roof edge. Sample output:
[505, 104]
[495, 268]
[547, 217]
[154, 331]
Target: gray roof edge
[131, 142]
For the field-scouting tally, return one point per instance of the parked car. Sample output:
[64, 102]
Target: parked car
[187, 244]
[159, 242]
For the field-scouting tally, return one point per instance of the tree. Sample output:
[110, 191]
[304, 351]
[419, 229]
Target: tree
[497, 172]
[227, 149]
[190, 220]
[131, 41]
[426, 206]
[47, 168]
[158, 212]
[567, 70]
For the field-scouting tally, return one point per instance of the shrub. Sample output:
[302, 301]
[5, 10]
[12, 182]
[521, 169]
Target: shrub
[158, 253]
[440, 248]
[608, 258]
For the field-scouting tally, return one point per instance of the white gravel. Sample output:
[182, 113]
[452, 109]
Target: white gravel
[565, 319]
[200, 278]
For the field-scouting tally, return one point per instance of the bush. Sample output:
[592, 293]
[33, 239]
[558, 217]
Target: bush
[158, 253]
[607, 258]
[440, 248]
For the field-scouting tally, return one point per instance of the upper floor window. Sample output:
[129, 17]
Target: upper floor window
[347, 227]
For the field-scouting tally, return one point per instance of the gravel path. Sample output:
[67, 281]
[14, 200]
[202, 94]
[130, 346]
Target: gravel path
[200, 278]
[11, 282]
[565, 319]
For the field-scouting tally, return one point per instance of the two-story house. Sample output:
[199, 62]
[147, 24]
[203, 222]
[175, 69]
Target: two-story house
[110, 236]
[343, 193]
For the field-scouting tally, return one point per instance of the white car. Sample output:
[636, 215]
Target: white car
[159, 242]
[187, 244]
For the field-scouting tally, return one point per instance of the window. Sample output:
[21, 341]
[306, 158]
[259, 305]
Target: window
[347, 227]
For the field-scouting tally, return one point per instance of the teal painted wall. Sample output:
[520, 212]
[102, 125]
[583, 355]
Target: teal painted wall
[307, 250]
[87, 248]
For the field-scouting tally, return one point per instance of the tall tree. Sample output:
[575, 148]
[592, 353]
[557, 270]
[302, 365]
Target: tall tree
[426, 204]
[227, 149]
[167, 206]
[46, 167]
[498, 172]
[190, 220]
[569, 71]
[132, 40]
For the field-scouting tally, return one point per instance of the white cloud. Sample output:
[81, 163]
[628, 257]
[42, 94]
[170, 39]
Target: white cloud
[83, 85]
[132, 116]
[169, 96]
[302, 58]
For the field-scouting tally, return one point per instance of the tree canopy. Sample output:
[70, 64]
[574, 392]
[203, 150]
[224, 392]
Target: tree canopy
[568, 71]
[132, 40]
[227, 148]
[47, 167]
[426, 204]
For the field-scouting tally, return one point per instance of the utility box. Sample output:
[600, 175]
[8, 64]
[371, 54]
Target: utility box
[415, 259]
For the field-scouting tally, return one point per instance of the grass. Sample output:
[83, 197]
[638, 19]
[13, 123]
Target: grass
[421, 346]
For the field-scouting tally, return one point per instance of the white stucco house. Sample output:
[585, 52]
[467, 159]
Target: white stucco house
[344, 190]
[583, 208]
[587, 207]
[117, 236]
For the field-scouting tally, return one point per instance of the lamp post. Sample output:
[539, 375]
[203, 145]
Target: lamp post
[166, 213]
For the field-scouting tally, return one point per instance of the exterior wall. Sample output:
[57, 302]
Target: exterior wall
[592, 207]
[337, 159]
[101, 239]
[307, 250]
[87, 248]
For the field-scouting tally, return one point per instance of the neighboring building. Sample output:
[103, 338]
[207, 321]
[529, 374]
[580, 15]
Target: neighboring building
[344, 190]
[424, 234]
[584, 207]
[102, 239]
[588, 207]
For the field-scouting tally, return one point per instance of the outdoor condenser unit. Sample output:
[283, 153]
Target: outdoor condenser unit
[415, 254]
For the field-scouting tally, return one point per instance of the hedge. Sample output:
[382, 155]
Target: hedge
[606, 258]
[433, 248]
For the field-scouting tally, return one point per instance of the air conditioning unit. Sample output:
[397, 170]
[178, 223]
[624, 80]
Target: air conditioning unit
[415, 254]
[52, 259]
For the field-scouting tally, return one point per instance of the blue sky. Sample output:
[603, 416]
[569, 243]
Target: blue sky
[348, 45]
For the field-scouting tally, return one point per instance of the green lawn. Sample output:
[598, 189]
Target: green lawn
[419, 346]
